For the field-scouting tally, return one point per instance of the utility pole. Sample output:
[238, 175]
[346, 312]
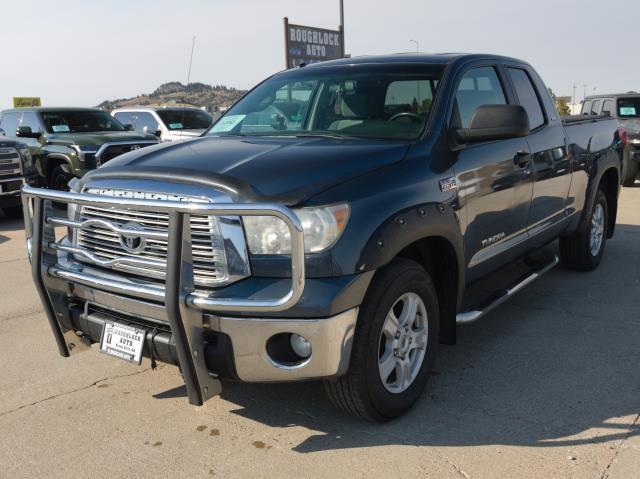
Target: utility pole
[417, 45]
[584, 91]
[342, 26]
[573, 101]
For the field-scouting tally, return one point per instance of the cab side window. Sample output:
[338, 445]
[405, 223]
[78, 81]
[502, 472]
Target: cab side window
[586, 107]
[124, 117]
[527, 96]
[30, 119]
[479, 86]
[142, 120]
[9, 123]
[608, 108]
[595, 108]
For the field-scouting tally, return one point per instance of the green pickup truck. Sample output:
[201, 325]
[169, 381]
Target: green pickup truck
[67, 142]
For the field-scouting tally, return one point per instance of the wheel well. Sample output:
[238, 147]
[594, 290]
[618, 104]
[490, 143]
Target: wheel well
[438, 257]
[610, 184]
[52, 162]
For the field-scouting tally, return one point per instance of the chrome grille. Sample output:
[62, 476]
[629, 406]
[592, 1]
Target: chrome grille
[9, 163]
[209, 259]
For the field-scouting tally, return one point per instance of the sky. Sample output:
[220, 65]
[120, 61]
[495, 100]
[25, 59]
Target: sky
[79, 53]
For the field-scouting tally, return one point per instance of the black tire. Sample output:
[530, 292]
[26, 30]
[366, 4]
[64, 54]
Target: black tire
[59, 177]
[13, 212]
[631, 171]
[360, 391]
[575, 250]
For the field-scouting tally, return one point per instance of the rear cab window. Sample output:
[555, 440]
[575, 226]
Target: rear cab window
[629, 107]
[527, 96]
[608, 107]
[595, 108]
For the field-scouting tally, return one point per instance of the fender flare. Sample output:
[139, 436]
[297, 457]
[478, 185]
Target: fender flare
[598, 170]
[42, 163]
[429, 220]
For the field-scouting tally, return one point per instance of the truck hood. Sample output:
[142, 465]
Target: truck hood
[288, 170]
[98, 138]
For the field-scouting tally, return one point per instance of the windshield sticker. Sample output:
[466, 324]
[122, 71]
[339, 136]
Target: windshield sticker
[60, 128]
[627, 110]
[227, 123]
[175, 126]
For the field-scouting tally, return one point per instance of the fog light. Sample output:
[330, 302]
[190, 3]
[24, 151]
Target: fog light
[300, 346]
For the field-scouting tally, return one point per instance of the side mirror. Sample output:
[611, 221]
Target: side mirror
[158, 133]
[25, 132]
[128, 127]
[495, 122]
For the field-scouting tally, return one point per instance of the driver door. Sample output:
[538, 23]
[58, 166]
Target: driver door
[494, 180]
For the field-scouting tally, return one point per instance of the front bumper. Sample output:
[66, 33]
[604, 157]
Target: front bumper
[193, 330]
[10, 192]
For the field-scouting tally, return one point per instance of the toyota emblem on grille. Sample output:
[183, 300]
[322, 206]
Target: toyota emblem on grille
[135, 147]
[133, 243]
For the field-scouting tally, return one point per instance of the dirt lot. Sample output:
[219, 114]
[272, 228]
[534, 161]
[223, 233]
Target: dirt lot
[548, 385]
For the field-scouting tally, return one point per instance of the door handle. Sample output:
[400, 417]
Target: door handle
[522, 158]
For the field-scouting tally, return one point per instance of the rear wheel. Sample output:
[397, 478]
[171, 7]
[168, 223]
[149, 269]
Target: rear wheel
[631, 172]
[583, 250]
[394, 345]
[59, 177]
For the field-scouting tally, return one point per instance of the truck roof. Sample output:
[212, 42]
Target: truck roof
[613, 95]
[156, 108]
[440, 58]
[50, 108]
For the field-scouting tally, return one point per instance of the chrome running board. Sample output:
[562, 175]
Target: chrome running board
[474, 315]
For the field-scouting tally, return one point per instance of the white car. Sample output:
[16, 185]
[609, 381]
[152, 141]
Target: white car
[167, 123]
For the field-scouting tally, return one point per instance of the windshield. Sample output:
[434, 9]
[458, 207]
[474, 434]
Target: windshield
[368, 101]
[629, 107]
[80, 121]
[183, 119]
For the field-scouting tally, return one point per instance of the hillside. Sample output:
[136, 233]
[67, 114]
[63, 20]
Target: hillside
[175, 93]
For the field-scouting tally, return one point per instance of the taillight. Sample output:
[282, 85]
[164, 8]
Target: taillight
[622, 134]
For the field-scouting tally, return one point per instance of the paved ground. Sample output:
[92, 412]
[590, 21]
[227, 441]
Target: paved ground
[546, 386]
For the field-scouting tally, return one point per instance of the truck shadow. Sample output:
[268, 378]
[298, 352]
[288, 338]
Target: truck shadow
[546, 369]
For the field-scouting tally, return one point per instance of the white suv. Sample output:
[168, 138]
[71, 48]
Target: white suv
[167, 123]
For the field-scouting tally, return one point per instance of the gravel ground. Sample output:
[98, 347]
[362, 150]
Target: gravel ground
[547, 385]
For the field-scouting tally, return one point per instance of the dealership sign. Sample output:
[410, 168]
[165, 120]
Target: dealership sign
[23, 101]
[310, 45]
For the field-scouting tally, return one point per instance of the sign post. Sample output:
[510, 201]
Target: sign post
[306, 45]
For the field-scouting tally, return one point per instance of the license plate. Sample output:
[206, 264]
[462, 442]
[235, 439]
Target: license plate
[124, 342]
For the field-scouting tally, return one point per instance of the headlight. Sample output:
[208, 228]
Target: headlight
[322, 227]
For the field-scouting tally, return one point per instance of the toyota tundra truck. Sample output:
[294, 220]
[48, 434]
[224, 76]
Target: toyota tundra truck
[65, 143]
[337, 223]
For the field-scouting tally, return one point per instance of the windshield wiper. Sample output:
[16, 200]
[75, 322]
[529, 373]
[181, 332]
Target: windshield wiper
[333, 136]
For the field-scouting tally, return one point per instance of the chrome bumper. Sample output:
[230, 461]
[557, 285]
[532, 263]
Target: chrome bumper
[330, 338]
[181, 305]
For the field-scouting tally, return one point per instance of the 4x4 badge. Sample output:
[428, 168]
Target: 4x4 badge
[448, 184]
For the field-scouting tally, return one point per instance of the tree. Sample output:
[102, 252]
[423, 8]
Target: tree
[562, 107]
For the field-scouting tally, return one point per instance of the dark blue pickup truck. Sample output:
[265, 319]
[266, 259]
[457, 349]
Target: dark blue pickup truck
[338, 222]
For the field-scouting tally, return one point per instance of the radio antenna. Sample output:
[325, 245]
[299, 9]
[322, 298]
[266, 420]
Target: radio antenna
[193, 45]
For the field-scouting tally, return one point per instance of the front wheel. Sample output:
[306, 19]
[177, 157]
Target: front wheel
[583, 250]
[394, 345]
[59, 177]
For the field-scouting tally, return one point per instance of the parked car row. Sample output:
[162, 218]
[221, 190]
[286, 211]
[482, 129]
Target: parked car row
[626, 109]
[65, 143]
